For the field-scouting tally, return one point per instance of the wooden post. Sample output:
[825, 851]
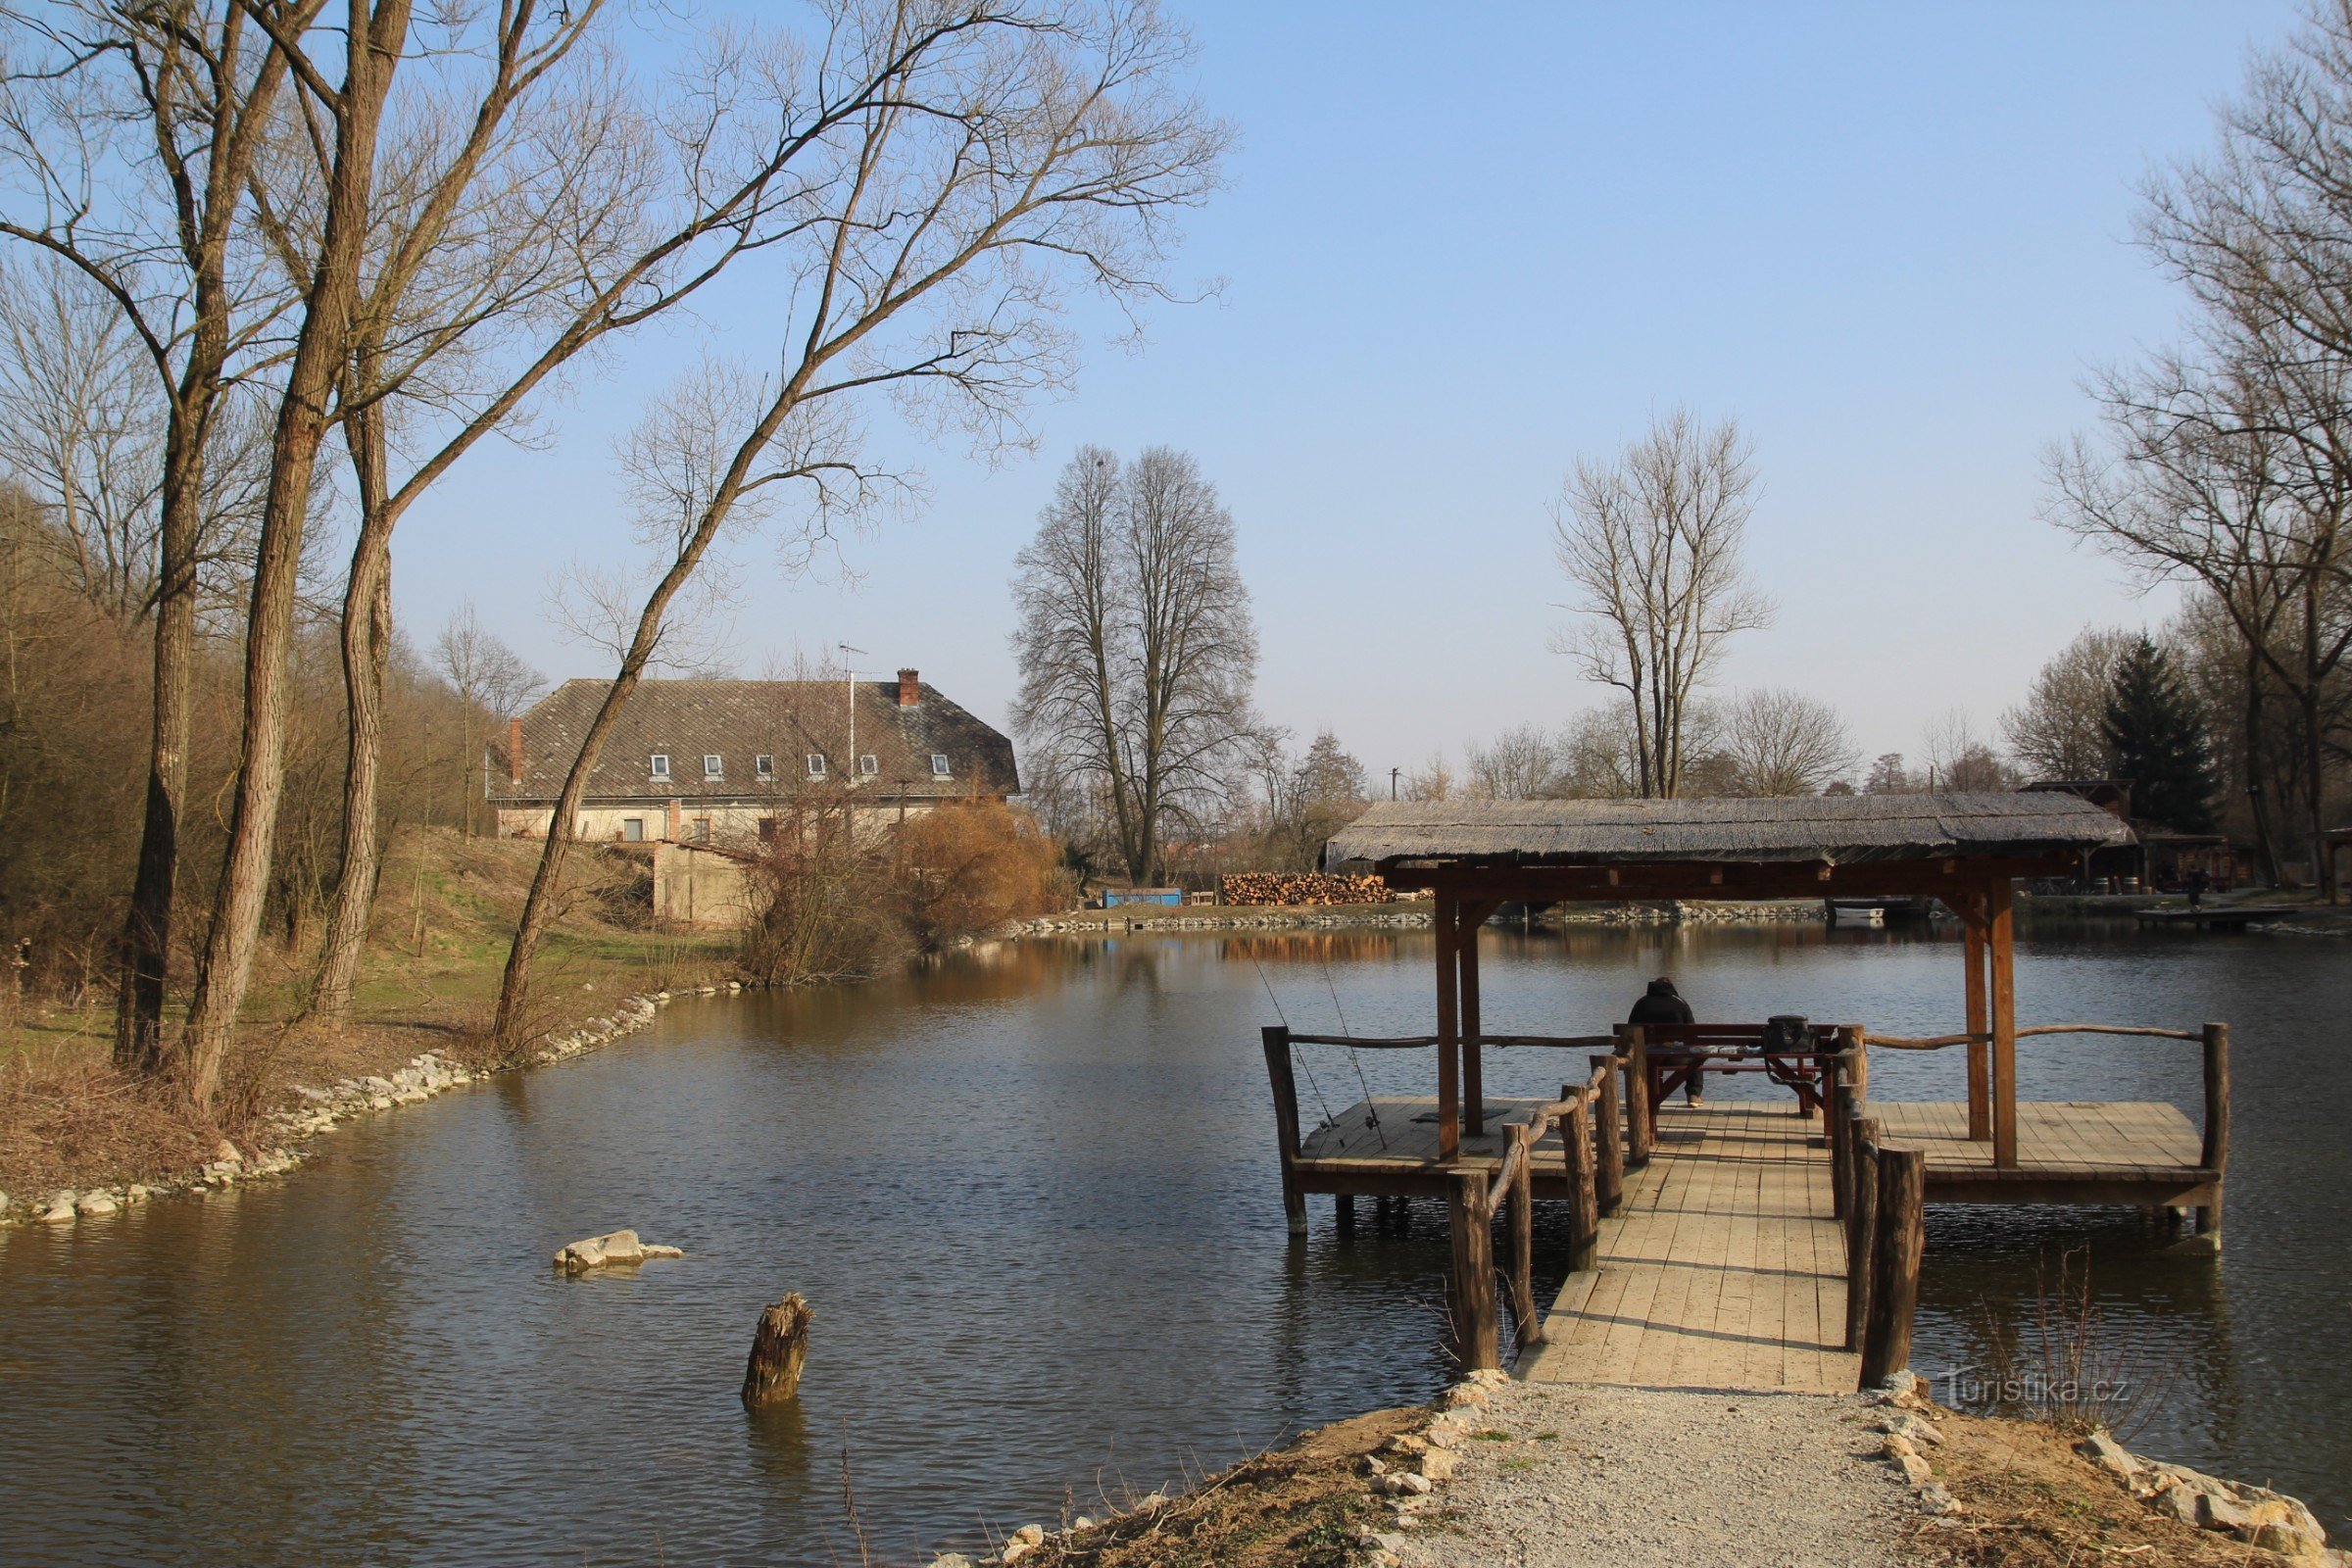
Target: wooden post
[1861, 1227]
[779, 1345]
[1343, 1209]
[1277, 1041]
[1609, 1139]
[1894, 1264]
[1583, 1202]
[2002, 935]
[2214, 1155]
[1522, 1199]
[1468, 917]
[1476, 1333]
[1449, 1101]
[1840, 1139]
[1637, 1095]
[1980, 1053]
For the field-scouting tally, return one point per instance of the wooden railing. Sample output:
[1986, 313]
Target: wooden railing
[2214, 1142]
[1593, 1167]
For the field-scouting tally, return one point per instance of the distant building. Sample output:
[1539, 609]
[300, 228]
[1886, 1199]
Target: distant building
[2155, 859]
[720, 762]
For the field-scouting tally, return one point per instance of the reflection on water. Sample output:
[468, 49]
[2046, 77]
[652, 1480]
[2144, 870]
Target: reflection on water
[1030, 1193]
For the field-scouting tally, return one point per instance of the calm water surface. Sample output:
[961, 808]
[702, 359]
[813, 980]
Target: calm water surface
[1031, 1196]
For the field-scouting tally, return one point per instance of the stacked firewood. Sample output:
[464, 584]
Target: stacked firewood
[1301, 887]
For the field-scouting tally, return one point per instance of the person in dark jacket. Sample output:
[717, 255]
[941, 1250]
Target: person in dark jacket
[1662, 1003]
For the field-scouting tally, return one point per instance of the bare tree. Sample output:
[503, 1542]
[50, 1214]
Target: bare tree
[1651, 544]
[1522, 764]
[2055, 731]
[961, 169]
[1136, 646]
[1784, 743]
[1432, 780]
[1959, 758]
[492, 682]
[2233, 463]
[128, 142]
[81, 432]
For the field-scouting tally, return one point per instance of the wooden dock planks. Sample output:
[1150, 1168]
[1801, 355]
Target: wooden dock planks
[1723, 1269]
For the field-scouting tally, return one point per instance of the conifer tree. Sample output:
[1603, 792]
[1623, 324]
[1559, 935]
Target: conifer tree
[2159, 742]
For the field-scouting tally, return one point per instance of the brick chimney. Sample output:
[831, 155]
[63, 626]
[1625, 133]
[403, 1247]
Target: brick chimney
[910, 687]
[515, 750]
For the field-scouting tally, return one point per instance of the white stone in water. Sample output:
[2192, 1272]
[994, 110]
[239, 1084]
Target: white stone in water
[97, 1200]
[61, 1208]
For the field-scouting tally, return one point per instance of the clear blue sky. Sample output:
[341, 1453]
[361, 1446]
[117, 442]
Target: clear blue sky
[1463, 246]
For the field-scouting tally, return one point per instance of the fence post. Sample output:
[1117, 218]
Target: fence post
[1472, 1217]
[1637, 1095]
[1894, 1264]
[1861, 1225]
[1584, 1202]
[2214, 1155]
[1609, 1179]
[1518, 1138]
[1277, 1041]
[1841, 1148]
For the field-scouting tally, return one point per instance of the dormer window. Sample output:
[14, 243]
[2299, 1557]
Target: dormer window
[939, 764]
[764, 765]
[713, 767]
[656, 767]
[817, 764]
[868, 765]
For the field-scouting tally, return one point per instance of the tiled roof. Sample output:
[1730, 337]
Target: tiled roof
[740, 721]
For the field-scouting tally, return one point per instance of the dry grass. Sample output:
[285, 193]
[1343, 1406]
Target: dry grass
[2034, 1502]
[1292, 1507]
[68, 1119]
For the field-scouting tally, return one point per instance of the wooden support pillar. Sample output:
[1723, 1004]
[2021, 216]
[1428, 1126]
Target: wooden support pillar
[1449, 1098]
[1861, 1227]
[1276, 1038]
[2215, 1155]
[1894, 1264]
[1584, 1200]
[1637, 1095]
[1522, 1200]
[1608, 1120]
[1468, 917]
[1476, 1333]
[2001, 938]
[1343, 1209]
[1980, 1053]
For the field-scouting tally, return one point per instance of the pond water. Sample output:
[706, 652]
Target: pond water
[1031, 1195]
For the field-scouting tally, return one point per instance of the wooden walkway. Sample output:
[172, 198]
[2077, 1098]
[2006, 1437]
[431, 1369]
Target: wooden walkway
[2069, 1152]
[1722, 1268]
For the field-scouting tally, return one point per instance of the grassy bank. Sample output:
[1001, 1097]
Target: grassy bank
[444, 912]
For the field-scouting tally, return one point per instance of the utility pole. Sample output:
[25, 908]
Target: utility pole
[849, 680]
[1393, 772]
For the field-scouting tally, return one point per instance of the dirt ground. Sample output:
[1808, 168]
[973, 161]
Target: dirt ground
[2034, 1502]
[444, 912]
[2030, 1501]
[1295, 1507]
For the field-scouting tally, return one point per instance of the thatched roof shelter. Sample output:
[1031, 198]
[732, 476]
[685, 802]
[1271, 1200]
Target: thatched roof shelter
[1819, 831]
[1966, 850]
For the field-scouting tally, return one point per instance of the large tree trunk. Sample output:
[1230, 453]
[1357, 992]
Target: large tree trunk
[2265, 844]
[373, 48]
[367, 649]
[146, 956]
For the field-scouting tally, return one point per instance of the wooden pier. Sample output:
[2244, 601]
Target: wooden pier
[1737, 1246]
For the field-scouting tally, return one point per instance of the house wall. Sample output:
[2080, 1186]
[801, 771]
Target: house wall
[734, 825]
[697, 888]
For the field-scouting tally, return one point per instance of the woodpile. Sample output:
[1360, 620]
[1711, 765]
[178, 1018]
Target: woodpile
[1300, 887]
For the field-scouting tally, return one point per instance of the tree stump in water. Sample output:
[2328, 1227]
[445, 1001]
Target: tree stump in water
[778, 1348]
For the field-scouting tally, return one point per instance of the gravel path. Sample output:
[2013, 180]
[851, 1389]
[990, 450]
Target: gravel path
[1634, 1478]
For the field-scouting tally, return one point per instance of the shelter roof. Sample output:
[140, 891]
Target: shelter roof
[1830, 829]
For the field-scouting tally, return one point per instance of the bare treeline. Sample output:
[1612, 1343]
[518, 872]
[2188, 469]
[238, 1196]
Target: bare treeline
[324, 253]
[2225, 464]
